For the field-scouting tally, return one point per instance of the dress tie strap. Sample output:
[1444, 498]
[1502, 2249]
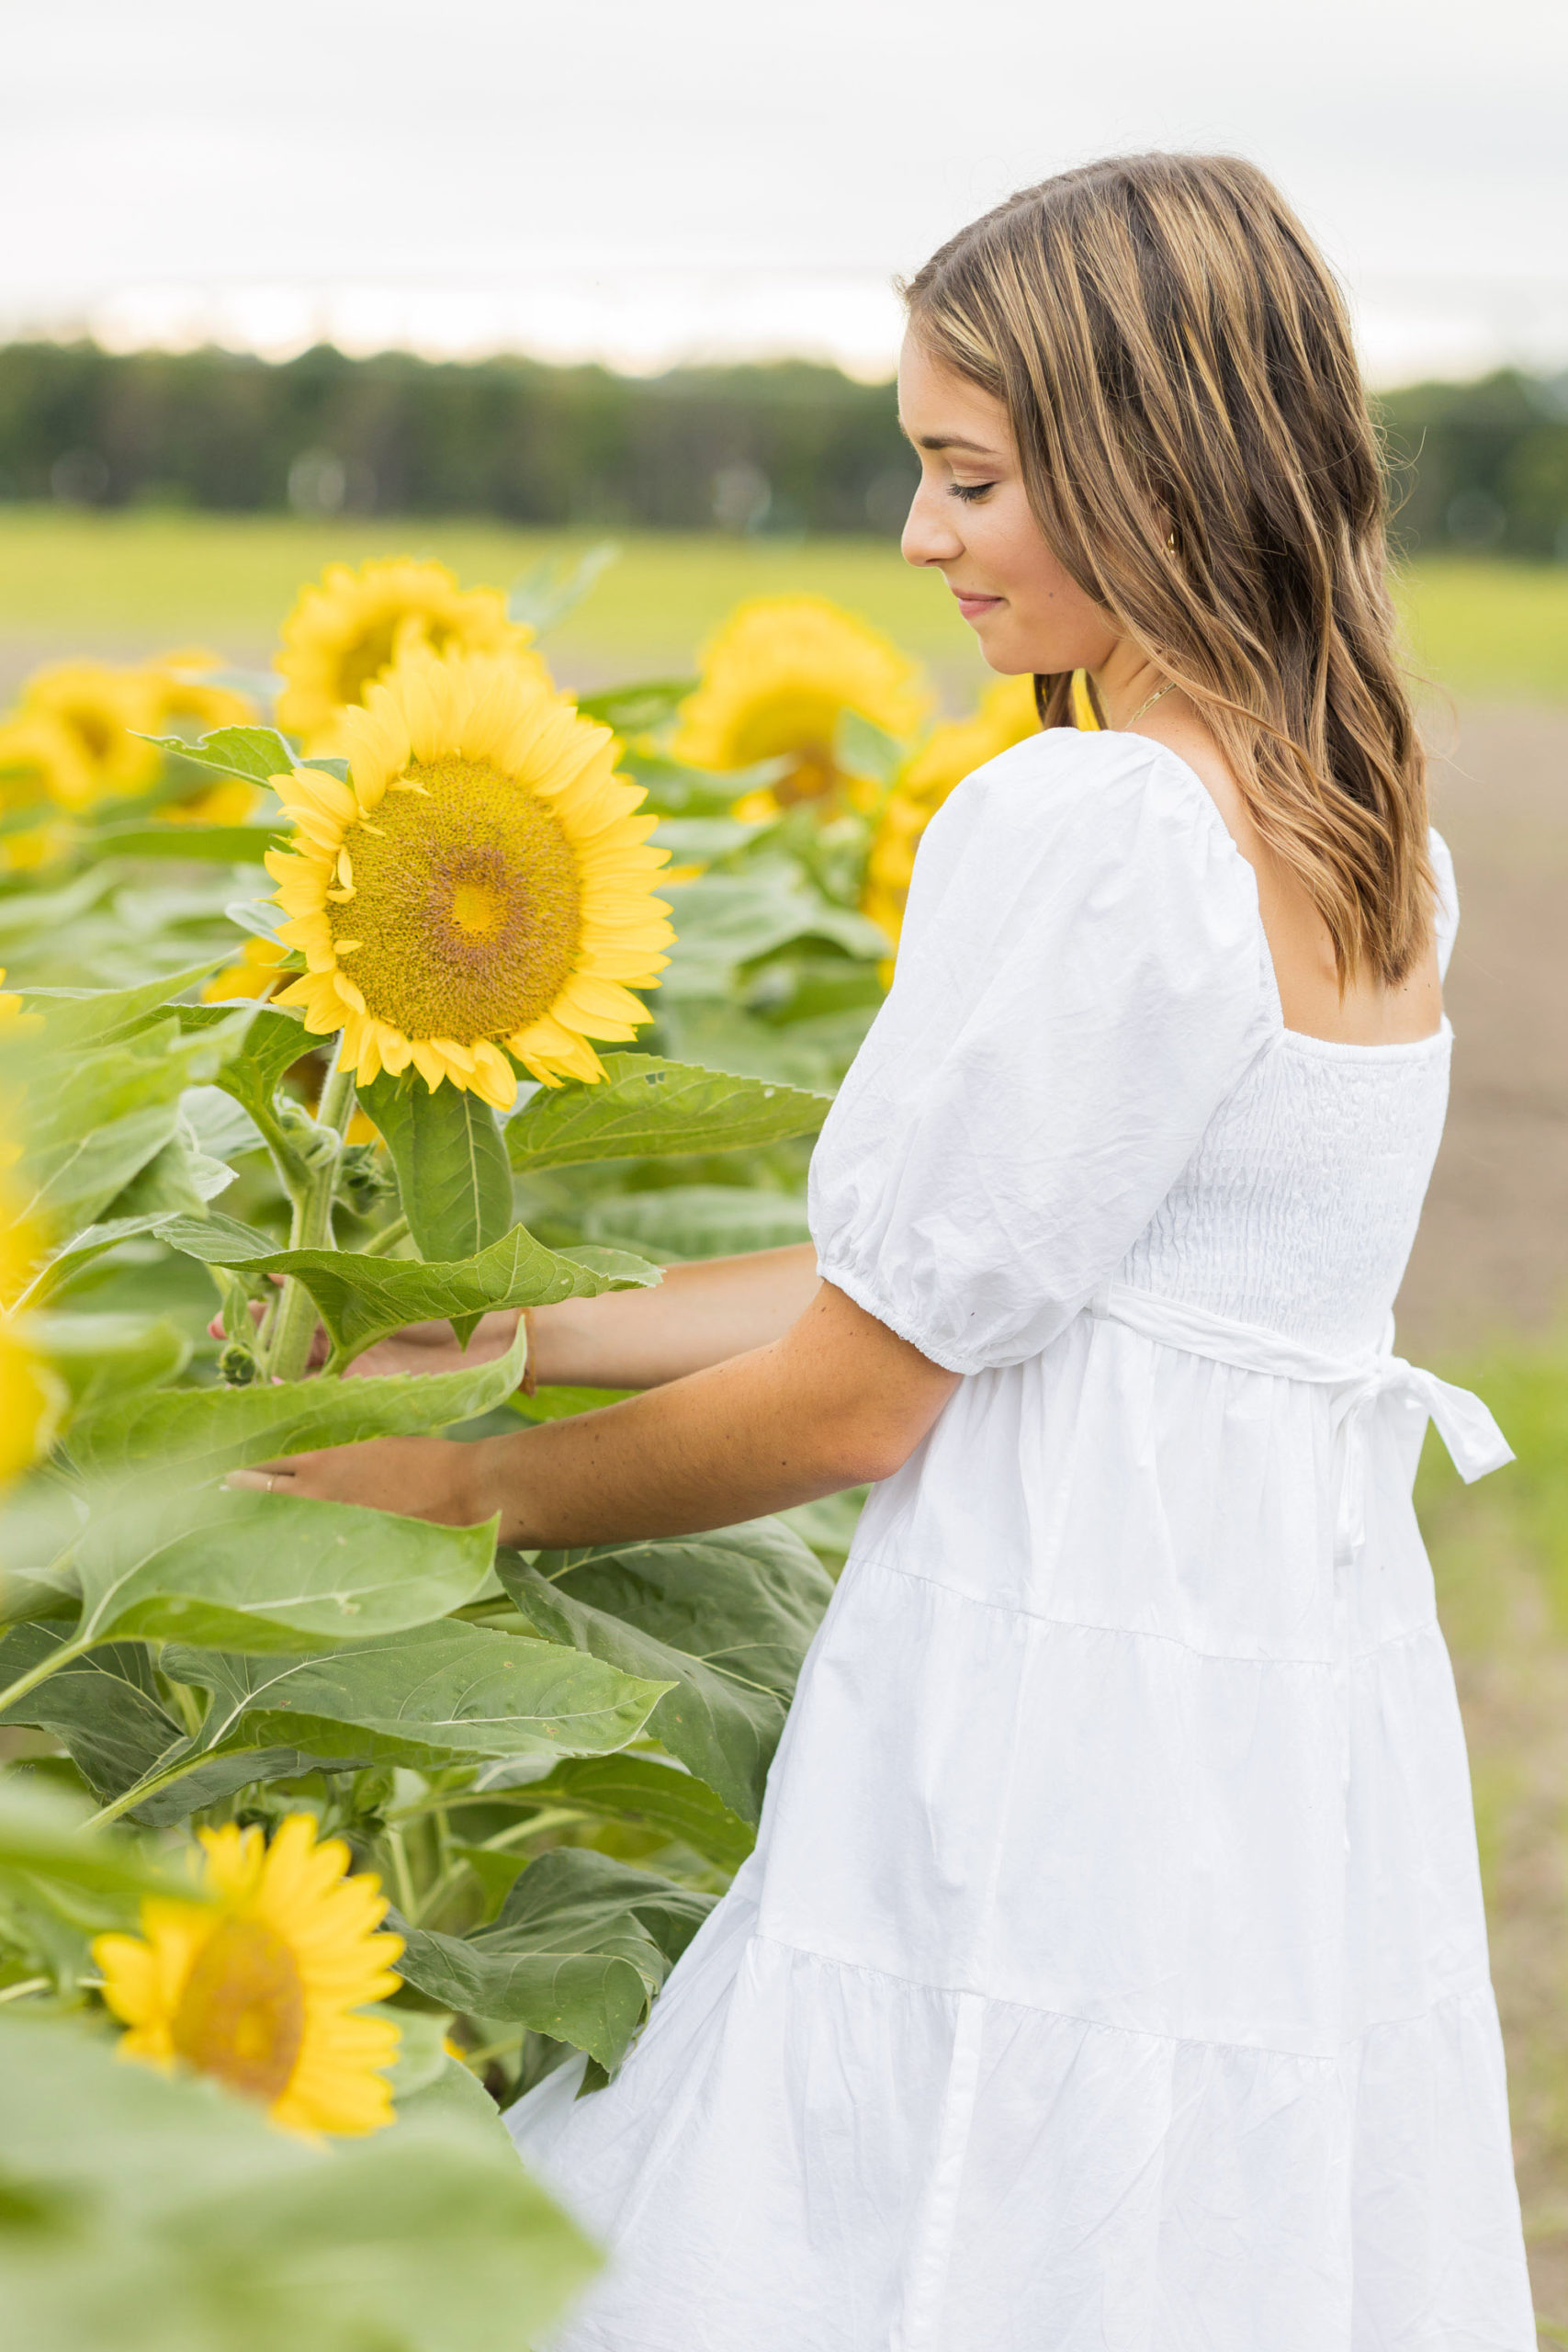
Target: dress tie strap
[1474, 1442]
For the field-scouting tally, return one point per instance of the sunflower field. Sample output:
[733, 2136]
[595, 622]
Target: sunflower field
[395, 987]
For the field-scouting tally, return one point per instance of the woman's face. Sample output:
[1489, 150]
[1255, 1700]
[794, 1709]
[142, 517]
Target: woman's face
[971, 520]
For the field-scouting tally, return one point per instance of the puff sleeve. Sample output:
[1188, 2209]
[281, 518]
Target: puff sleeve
[1081, 981]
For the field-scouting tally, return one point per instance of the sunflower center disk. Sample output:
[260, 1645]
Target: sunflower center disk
[466, 906]
[242, 2014]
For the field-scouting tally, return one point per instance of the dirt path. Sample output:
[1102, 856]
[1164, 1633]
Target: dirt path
[1492, 1250]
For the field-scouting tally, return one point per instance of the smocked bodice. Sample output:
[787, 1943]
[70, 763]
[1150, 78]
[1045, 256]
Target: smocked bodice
[1299, 1207]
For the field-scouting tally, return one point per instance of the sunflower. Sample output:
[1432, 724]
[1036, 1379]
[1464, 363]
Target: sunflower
[188, 702]
[1007, 714]
[258, 1982]
[777, 680]
[480, 886]
[42, 765]
[353, 627]
[30, 1395]
[106, 712]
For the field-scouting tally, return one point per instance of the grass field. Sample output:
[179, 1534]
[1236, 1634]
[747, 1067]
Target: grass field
[130, 583]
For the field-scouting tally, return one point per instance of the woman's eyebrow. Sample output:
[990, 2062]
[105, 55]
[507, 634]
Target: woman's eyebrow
[945, 441]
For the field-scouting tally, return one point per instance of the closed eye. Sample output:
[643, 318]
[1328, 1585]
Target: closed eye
[970, 491]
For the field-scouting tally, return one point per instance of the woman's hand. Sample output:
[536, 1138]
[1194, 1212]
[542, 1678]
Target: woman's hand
[418, 1347]
[418, 1478]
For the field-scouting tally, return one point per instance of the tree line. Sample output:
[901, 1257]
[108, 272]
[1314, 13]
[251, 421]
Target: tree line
[789, 446]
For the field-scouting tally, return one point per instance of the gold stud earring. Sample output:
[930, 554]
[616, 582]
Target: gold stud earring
[1170, 543]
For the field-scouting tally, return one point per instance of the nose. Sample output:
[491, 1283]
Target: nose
[928, 534]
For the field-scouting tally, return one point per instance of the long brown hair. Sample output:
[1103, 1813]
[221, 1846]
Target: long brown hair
[1176, 360]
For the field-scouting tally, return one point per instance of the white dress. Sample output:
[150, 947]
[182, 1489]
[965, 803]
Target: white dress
[1111, 1974]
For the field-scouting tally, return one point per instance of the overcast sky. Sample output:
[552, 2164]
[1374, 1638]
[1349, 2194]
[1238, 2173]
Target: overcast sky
[646, 180]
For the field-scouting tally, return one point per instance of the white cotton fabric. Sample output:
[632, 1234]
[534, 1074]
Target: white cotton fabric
[1111, 1974]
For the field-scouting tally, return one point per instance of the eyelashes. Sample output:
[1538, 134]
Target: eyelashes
[970, 491]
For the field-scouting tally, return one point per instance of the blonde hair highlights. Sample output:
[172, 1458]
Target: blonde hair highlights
[1177, 363]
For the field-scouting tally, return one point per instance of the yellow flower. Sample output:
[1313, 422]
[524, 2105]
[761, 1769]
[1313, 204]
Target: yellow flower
[481, 882]
[30, 1395]
[352, 627]
[187, 703]
[1005, 715]
[43, 764]
[259, 1982]
[777, 680]
[100, 706]
[252, 976]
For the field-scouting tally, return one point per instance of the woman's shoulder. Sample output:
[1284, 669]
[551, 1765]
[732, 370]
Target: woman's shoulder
[1091, 799]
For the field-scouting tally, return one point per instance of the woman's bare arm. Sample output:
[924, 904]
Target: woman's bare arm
[698, 1315]
[836, 1400]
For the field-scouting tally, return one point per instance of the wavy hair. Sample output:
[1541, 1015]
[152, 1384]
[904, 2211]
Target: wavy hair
[1176, 360]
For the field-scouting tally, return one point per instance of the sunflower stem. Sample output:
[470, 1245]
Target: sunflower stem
[288, 1347]
[142, 1789]
[382, 1244]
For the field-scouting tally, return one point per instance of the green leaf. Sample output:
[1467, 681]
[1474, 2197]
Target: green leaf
[272, 1572]
[74, 1019]
[162, 2213]
[697, 1220]
[636, 709]
[193, 844]
[257, 753]
[102, 1356]
[728, 920]
[189, 1436]
[438, 1694]
[105, 1708]
[582, 1945]
[451, 1164]
[270, 1043]
[725, 1617]
[646, 1790]
[646, 1108]
[42, 1832]
[361, 1299]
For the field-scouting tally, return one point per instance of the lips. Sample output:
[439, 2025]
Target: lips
[974, 607]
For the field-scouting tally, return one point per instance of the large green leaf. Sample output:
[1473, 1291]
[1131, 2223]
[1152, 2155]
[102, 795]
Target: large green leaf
[42, 1832]
[361, 1299]
[438, 1694]
[162, 2214]
[102, 1356]
[728, 920]
[105, 1708]
[76, 1019]
[697, 1220]
[452, 1173]
[646, 1790]
[187, 1436]
[725, 1617]
[646, 1107]
[271, 1572]
[582, 1945]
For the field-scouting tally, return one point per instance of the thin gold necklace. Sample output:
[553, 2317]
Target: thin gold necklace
[1158, 694]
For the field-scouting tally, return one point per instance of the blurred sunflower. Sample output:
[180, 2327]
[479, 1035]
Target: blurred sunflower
[1005, 715]
[41, 766]
[258, 1982]
[481, 882]
[188, 702]
[30, 1395]
[777, 680]
[351, 627]
[106, 712]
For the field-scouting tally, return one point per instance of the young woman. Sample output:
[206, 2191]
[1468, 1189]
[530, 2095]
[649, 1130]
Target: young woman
[1111, 1971]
